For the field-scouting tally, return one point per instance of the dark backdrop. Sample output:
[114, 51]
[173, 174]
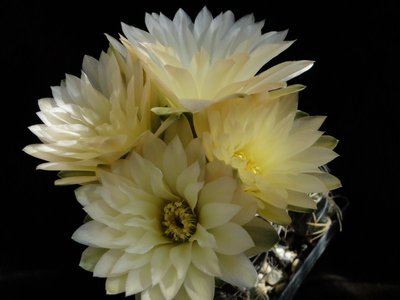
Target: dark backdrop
[354, 82]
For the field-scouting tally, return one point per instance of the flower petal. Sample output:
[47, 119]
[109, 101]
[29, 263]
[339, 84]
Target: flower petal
[129, 261]
[203, 237]
[220, 190]
[189, 176]
[248, 204]
[205, 260]
[106, 263]
[95, 234]
[231, 239]
[191, 193]
[198, 285]
[275, 214]
[237, 270]
[153, 292]
[300, 202]
[181, 257]
[170, 284]
[115, 285]
[160, 263]
[138, 281]
[216, 214]
[147, 242]
[174, 162]
[90, 257]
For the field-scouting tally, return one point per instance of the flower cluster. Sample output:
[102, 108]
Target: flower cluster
[187, 155]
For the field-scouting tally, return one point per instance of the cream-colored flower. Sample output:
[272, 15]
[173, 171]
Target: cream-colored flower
[277, 152]
[196, 64]
[165, 223]
[95, 119]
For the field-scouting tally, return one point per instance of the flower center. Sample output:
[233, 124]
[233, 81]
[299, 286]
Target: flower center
[179, 222]
[251, 166]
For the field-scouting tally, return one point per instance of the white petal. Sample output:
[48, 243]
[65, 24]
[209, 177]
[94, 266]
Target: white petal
[216, 214]
[203, 237]
[220, 190]
[275, 214]
[160, 263]
[152, 293]
[106, 263]
[129, 262]
[237, 270]
[316, 156]
[181, 257]
[189, 176]
[305, 183]
[231, 239]
[153, 150]
[331, 182]
[137, 281]
[191, 193]
[308, 123]
[198, 285]
[205, 260]
[300, 202]
[170, 284]
[86, 193]
[326, 141]
[147, 242]
[115, 285]
[248, 205]
[90, 257]
[95, 234]
[174, 162]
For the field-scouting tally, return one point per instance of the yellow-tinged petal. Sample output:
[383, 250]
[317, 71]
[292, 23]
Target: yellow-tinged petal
[197, 64]
[90, 257]
[115, 285]
[96, 119]
[160, 230]
[274, 151]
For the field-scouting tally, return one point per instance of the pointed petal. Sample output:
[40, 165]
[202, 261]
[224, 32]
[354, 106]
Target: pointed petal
[115, 285]
[137, 281]
[231, 239]
[160, 263]
[106, 263]
[181, 257]
[198, 285]
[216, 214]
[203, 237]
[237, 270]
[205, 260]
[217, 191]
[90, 257]
[170, 284]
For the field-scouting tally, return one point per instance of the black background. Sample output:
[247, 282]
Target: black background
[354, 82]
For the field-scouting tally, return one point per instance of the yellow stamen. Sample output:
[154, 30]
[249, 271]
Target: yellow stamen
[251, 166]
[179, 221]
